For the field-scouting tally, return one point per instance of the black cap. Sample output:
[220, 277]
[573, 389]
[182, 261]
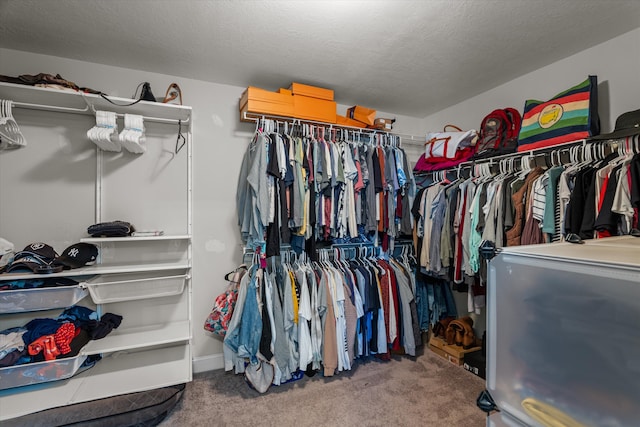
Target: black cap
[78, 255]
[38, 249]
[627, 124]
[27, 263]
[35, 257]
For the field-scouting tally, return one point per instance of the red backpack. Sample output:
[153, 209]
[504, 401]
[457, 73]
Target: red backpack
[498, 133]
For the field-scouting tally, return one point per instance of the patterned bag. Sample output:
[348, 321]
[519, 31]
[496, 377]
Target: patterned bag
[222, 311]
[571, 115]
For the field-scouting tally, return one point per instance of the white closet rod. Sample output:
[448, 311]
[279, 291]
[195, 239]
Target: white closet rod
[293, 120]
[30, 106]
[145, 118]
[536, 152]
[541, 150]
[90, 110]
[495, 159]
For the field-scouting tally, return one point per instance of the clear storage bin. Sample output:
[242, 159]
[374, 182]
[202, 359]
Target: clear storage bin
[107, 289]
[562, 330]
[35, 299]
[40, 372]
[502, 419]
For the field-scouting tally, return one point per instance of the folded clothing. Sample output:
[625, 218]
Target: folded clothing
[424, 165]
[102, 328]
[111, 229]
[44, 78]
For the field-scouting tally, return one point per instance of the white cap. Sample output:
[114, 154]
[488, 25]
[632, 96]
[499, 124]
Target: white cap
[6, 252]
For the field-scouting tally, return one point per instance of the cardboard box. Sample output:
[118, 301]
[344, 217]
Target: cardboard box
[440, 352]
[456, 354]
[346, 121]
[453, 353]
[437, 345]
[260, 101]
[319, 110]
[311, 91]
[437, 342]
[362, 114]
[476, 363]
[383, 124]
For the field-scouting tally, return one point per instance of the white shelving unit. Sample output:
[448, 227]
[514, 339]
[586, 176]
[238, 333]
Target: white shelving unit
[146, 280]
[132, 239]
[100, 269]
[130, 371]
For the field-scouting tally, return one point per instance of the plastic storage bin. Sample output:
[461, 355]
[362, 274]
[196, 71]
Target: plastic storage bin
[24, 300]
[107, 289]
[502, 419]
[562, 330]
[40, 372]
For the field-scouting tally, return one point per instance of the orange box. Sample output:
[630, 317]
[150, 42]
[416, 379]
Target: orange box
[260, 101]
[346, 121]
[362, 114]
[308, 108]
[311, 91]
[285, 92]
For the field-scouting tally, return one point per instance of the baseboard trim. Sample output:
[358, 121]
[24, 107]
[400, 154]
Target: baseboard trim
[208, 363]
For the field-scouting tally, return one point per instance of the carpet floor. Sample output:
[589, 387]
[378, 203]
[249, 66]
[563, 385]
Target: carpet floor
[406, 391]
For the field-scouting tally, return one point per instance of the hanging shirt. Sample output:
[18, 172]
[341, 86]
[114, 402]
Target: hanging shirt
[304, 318]
[622, 200]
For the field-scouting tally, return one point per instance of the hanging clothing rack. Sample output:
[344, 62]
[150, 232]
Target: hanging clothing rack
[145, 118]
[537, 152]
[34, 98]
[30, 106]
[281, 119]
[90, 109]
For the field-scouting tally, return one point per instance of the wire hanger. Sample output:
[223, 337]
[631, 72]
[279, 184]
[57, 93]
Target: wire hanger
[181, 140]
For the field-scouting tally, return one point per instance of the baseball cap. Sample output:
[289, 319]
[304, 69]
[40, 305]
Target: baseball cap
[31, 264]
[78, 255]
[6, 252]
[38, 249]
[35, 257]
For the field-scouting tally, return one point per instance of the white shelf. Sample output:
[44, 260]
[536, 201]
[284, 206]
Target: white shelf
[133, 239]
[136, 338]
[101, 269]
[38, 98]
[144, 282]
[116, 374]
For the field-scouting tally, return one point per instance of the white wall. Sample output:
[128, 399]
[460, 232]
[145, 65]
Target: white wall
[220, 140]
[615, 62]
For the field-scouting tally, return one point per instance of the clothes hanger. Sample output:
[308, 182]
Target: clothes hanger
[180, 140]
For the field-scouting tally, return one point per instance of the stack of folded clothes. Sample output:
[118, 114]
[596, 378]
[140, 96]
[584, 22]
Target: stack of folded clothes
[111, 229]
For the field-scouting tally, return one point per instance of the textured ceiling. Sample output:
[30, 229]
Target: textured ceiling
[405, 57]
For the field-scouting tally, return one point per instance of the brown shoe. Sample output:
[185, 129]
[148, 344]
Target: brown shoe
[463, 330]
[450, 334]
[467, 319]
[440, 328]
